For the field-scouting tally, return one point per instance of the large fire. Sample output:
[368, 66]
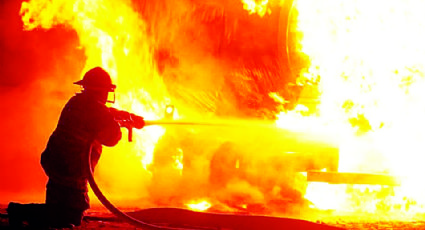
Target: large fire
[365, 68]
[367, 60]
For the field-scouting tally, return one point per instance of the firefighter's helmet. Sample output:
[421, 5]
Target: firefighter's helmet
[97, 79]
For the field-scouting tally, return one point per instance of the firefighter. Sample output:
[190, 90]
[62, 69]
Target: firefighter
[85, 123]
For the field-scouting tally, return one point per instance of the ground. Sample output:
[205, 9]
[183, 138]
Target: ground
[102, 219]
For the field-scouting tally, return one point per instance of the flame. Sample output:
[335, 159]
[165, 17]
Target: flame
[199, 206]
[365, 65]
[113, 37]
[178, 160]
[259, 7]
[367, 60]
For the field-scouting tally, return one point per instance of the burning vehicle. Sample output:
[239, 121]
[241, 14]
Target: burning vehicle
[262, 166]
[257, 86]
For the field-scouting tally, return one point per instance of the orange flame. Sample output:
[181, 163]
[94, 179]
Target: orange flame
[113, 37]
[364, 63]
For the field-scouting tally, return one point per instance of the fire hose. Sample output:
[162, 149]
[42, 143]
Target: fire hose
[255, 222]
[114, 210]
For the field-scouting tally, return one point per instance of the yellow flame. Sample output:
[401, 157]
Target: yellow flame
[368, 59]
[178, 160]
[199, 205]
[113, 37]
[258, 7]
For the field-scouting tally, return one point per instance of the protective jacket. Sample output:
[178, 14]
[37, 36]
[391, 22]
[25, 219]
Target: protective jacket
[84, 122]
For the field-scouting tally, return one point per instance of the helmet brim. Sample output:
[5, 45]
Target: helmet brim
[80, 82]
[110, 88]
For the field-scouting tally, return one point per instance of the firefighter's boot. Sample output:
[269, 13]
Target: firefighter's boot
[16, 215]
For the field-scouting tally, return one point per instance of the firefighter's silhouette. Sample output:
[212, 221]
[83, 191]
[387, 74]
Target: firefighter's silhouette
[84, 121]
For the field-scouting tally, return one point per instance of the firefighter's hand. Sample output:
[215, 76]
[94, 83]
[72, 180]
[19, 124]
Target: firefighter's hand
[139, 122]
[119, 114]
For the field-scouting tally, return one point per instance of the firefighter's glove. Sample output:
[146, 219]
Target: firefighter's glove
[119, 114]
[138, 121]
